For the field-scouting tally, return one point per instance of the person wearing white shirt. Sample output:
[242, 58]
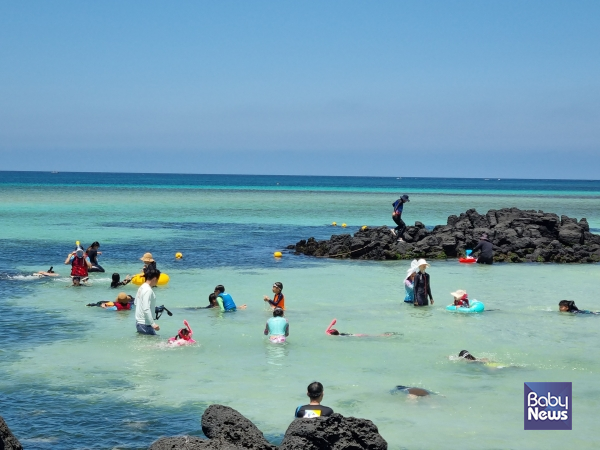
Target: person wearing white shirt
[145, 303]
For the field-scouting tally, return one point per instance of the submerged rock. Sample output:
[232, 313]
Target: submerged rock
[8, 441]
[517, 235]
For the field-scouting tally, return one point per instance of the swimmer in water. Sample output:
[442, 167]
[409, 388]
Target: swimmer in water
[225, 301]
[184, 335]
[123, 302]
[466, 355]
[569, 306]
[116, 280]
[78, 281]
[412, 392]
[333, 332]
[277, 328]
[278, 298]
[461, 298]
[49, 273]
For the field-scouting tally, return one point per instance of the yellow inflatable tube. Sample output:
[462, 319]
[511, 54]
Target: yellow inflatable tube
[139, 279]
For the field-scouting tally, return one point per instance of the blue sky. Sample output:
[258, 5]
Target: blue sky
[423, 88]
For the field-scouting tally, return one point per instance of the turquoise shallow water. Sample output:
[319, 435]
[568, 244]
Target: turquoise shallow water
[78, 377]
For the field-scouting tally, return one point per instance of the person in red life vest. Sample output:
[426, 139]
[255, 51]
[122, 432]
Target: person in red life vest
[123, 302]
[461, 298]
[278, 299]
[80, 263]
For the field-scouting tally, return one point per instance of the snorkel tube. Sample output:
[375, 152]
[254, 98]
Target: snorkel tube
[328, 330]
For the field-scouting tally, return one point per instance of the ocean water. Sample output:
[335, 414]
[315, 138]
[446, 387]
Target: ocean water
[72, 376]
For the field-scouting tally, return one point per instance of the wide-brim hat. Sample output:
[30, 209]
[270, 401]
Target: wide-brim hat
[122, 298]
[147, 258]
[421, 262]
[459, 294]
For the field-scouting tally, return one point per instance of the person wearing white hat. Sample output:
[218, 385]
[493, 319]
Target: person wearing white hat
[461, 298]
[422, 286]
[409, 296]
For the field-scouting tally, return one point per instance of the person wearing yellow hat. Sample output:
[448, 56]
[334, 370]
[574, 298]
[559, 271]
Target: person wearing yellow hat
[148, 262]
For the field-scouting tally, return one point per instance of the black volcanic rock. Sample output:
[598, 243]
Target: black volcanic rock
[8, 441]
[517, 235]
[227, 429]
[333, 433]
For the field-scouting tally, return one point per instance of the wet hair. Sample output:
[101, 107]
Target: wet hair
[569, 304]
[278, 284]
[220, 288]
[334, 332]
[78, 279]
[278, 312]
[212, 298]
[116, 278]
[315, 390]
[184, 331]
[151, 273]
[465, 354]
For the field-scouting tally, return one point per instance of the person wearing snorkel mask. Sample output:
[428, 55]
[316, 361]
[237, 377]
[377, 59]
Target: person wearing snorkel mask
[569, 306]
[80, 263]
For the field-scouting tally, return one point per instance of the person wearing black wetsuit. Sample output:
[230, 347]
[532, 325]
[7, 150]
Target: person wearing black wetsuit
[314, 408]
[487, 250]
[421, 285]
[397, 216]
[93, 253]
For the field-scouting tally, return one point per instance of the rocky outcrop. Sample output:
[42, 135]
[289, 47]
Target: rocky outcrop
[8, 441]
[518, 236]
[228, 429]
[333, 433]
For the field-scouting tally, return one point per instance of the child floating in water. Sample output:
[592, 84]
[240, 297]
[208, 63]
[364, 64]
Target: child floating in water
[278, 299]
[461, 298]
[123, 302]
[49, 273]
[569, 306]
[184, 336]
[333, 332]
[278, 328]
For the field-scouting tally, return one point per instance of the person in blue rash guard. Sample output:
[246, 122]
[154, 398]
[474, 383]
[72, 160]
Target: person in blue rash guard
[225, 300]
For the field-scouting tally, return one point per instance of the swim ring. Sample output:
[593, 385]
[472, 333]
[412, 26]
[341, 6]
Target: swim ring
[139, 279]
[467, 260]
[476, 306]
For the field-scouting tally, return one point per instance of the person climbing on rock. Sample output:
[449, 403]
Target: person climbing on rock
[397, 217]
[487, 250]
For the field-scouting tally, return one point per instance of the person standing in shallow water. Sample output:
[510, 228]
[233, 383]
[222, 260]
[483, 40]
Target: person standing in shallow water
[397, 217]
[487, 250]
[422, 285]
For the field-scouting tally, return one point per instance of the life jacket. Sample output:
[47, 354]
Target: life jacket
[279, 300]
[122, 307]
[79, 267]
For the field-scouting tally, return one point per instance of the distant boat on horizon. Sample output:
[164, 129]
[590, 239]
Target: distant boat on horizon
[54, 171]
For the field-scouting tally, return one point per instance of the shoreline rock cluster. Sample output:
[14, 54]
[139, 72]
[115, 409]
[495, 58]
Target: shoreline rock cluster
[226, 428]
[517, 235]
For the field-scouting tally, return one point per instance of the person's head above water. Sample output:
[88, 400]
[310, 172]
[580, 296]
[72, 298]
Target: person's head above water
[79, 252]
[334, 332]
[219, 289]
[122, 298]
[460, 294]
[315, 392]
[423, 265]
[278, 312]
[567, 306]
[212, 298]
[76, 281]
[466, 355]
[277, 287]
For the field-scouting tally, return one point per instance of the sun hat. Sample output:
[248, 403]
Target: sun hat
[460, 294]
[122, 298]
[405, 198]
[414, 267]
[147, 258]
[422, 261]
[484, 236]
